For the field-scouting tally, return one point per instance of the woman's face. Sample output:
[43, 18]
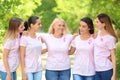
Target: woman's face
[59, 27]
[37, 26]
[98, 24]
[21, 27]
[83, 28]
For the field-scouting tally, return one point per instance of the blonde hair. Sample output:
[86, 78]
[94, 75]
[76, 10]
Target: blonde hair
[12, 30]
[51, 29]
[104, 18]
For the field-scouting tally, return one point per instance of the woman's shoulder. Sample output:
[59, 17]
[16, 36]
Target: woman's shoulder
[110, 37]
[8, 41]
[67, 34]
[44, 34]
[24, 37]
[76, 37]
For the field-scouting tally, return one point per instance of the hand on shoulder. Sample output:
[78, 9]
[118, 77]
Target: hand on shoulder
[74, 35]
[94, 35]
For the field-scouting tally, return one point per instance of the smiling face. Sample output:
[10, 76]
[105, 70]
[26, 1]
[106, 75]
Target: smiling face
[83, 29]
[59, 27]
[37, 26]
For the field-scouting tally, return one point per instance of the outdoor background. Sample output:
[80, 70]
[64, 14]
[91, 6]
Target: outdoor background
[70, 10]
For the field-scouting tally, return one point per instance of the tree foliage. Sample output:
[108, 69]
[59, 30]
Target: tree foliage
[110, 7]
[13, 8]
[71, 11]
[46, 13]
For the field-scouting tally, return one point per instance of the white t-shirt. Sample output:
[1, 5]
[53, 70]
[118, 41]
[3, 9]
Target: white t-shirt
[58, 58]
[103, 45]
[13, 57]
[33, 53]
[84, 56]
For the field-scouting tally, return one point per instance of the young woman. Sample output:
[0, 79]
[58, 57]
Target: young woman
[11, 49]
[58, 41]
[83, 46]
[105, 45]
[30, 51]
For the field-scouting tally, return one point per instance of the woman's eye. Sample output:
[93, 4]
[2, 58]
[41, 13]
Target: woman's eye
[61, 25]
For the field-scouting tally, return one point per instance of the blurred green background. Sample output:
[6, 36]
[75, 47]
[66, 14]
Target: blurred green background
[70, 10]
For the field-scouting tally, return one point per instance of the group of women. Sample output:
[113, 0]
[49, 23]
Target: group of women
[95, 57]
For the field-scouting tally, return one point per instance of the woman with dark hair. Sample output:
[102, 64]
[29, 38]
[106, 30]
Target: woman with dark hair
[83, 46]
[105, 45]
[30, 51]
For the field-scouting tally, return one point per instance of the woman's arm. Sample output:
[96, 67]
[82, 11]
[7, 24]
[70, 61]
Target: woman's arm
[44, 51]
[44, 45]
[72, 50]
[42, 40]
[6, 65]
[113, 59]
[22, 60]
[74, 36]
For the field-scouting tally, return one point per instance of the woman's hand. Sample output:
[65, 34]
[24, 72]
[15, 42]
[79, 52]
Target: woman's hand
[8, 77]
[94, 35]
[25, 33]
[24, 76]
[44, 51]
[74, 35]
[113, 77]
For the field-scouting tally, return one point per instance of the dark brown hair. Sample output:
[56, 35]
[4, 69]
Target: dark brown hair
[89, 22]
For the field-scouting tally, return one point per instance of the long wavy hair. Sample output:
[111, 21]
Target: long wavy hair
[12, 30]
[104, 18]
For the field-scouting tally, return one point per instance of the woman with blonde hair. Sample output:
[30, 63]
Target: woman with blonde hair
[57, 42]
[11, 49]
[105, 46]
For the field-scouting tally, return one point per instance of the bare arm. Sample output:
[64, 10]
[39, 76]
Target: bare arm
[44, 51]
[113, 59]
[6, 65]
[72, 50]
[22, 60]
[42, 40]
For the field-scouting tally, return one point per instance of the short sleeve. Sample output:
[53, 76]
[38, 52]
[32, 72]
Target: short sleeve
[23, 41]
[111, 43]
[67, 37]
[71, 36]
[44, 37]
[7, 44]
